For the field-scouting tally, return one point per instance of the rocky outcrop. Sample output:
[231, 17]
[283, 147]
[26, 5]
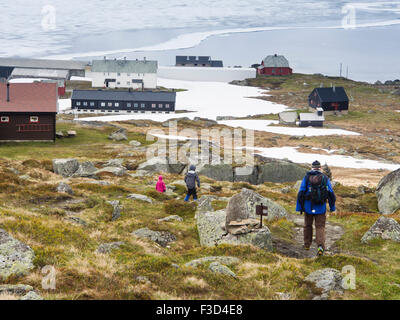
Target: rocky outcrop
[119, 135]
[161, 164]
[140, 197]
[242, 206]
[221, 259]
[64, 188]
[219, 172]
[384, 228]
[163, 238]
[211, 229]
[388, 193]
[16, 258]
[280, 172]
[116, 209]
[86, 170]
[326, 280]
[116, 171]
[217, 267]
[105, 248]
[65, 167]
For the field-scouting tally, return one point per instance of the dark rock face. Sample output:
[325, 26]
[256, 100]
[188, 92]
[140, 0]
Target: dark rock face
[269, 172]
[388, 193]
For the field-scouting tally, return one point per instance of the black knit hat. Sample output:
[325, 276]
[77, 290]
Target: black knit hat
[316, 164]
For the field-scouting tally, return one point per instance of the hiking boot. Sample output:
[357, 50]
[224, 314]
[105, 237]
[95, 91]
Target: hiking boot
[320, 251]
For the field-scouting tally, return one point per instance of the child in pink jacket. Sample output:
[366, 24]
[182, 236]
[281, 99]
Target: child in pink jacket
[160, 186]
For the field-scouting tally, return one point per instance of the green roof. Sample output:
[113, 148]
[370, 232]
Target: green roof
[125, 66]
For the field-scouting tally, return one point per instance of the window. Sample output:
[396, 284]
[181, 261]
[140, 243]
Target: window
[5, 119]
[142, 105]
[153, 105]
[118, 83]
[167, 105]
[128, 83]
[103, 104]
[128, 105]
[34, 119]
[92, 104]
[119, 74]
[160, 105]
[110, 104]
[78, 103]
[135, 105]
[116, 104]
[85, 104]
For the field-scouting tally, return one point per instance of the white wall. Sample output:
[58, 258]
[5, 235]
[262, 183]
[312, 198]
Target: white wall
[206, 73]
[149, 79]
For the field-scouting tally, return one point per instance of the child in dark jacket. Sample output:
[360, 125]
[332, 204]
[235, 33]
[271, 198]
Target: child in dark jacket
[190, 179]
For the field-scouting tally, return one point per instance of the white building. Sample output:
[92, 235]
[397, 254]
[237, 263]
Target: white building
[136, 74]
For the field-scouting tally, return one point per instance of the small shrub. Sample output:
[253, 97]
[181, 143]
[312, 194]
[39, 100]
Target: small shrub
[157, 195]
[180, 208]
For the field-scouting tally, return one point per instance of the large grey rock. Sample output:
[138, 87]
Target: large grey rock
[217, 267]
[388, 193]
[326, 280]
[65, 167]
[140, 197]
[105, 248]
[64, 188]
[16, 258]
[86, 170]
[280, 172]
[163, 238]
[246, 174]
[162, 164]
[116, 209]
[117, 171]
[221, 259]
[211, 229]
[204, 204]
[384, 228]
[32, 295]
[243, 206]
[119, 135]
[219, 172]
[288, 117]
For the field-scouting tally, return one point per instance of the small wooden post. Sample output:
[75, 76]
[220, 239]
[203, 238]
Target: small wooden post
[261, 211]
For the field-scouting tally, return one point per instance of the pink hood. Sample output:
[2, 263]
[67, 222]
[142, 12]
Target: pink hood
[160, 186]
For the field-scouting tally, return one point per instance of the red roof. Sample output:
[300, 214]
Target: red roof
[29, 97]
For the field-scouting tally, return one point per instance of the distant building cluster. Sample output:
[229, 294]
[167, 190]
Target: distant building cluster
[200, 61]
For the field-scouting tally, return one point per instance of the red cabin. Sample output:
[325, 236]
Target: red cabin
[275, 65]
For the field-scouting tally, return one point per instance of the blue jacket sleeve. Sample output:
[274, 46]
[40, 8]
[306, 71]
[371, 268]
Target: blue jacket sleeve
[301, 194]
[331, 197]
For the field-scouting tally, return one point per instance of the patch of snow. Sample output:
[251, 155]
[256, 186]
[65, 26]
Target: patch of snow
[27, 80]
[76, 78]
[292, 154]
[64, 104]
[206, 100]
[265, 125]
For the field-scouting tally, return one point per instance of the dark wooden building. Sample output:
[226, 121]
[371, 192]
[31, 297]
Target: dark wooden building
[128, 101]
[28, 111]
[201, 61]
[331, 100]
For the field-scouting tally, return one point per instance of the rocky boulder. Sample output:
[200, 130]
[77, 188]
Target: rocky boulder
[163, 238]
[219, 172]
[161, 164]
[326, 280]
[242, 206]
[64, 188]
[221, 259]
[140, 197]
[217, 267]
[16, 258]
[116, 209]
[65, 167]
[105, 248]
[384, 228]
[119, 135]
[388, 193]
[116, 171]
[86, 170]
[280, 172]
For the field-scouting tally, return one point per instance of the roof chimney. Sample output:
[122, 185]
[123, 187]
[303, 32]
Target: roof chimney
[8, 92]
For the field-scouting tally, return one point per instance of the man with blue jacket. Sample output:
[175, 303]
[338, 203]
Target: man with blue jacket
[314, 192]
